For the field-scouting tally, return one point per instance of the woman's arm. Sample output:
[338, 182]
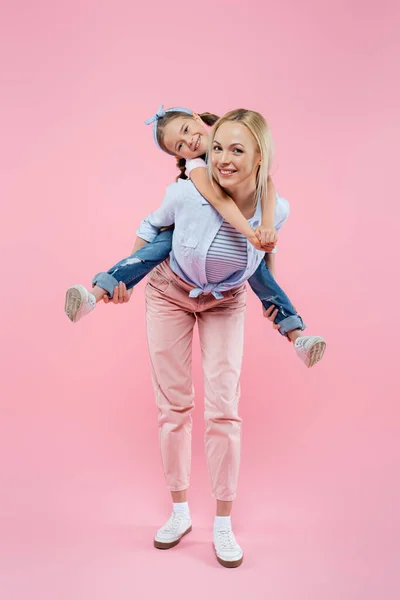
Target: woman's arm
[138, 245]
[222, 203]
[161, 218]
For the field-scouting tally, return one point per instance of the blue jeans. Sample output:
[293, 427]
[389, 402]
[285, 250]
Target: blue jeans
[131, 270]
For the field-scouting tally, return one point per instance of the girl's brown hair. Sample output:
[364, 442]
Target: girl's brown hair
[208, 118]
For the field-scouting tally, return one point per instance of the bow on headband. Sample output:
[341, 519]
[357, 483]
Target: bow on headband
[159, 115]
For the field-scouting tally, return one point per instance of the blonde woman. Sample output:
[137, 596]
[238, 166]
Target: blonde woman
[203, 282]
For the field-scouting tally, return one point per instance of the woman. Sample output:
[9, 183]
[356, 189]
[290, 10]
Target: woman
[197, 286]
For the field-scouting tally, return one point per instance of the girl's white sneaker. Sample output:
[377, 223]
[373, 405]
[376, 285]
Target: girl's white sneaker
[78, 302]
[310, 349]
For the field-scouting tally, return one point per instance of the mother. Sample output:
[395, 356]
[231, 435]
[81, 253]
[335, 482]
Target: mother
[178, 294]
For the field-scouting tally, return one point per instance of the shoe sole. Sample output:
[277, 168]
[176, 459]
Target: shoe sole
[229, 564]
[316, 353]
[73, 302]
[168, 545]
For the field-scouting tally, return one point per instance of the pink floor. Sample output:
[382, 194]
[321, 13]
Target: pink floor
[80, 523]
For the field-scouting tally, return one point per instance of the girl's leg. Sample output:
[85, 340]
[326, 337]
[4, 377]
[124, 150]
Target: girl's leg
[79, 301]
[131, 270]
[270, 293]
[310, 349]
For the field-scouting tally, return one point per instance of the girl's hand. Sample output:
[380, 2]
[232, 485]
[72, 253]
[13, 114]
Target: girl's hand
[121, 294]
[253, 239]
[266, 235]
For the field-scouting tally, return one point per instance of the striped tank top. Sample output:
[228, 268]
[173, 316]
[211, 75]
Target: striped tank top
[226, 255]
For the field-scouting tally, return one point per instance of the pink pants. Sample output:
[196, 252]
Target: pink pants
[171, 316]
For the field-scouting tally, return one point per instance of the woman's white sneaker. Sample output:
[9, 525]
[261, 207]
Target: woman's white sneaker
[170, 534]
[310, 349]
[78, 302]
[229, 553]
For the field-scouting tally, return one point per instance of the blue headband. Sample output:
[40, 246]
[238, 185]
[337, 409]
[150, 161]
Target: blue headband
[159, 115]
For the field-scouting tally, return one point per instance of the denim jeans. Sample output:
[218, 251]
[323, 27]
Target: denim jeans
[131, 270]
[268, 291]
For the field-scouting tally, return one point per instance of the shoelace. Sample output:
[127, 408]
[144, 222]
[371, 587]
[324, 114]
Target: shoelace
[173, 522]
[226, 538]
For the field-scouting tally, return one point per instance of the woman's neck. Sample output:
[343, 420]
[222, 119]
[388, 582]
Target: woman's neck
[245, 198]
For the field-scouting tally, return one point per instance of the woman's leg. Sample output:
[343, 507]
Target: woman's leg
[170, 332]
[221, 339]
[80, 302]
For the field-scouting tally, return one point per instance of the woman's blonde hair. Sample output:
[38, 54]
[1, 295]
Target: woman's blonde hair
[260, 130]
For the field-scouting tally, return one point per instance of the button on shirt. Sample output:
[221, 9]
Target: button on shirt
[196, 225]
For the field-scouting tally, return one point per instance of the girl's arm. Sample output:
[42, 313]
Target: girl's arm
[270, 262]
[268, 205]
[222, 203]
[266, 233]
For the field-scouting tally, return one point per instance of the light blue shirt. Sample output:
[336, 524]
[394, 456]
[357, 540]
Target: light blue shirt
[196, 225]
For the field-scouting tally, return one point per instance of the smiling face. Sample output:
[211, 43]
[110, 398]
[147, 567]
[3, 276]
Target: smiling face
[235, 156]
[186, 137]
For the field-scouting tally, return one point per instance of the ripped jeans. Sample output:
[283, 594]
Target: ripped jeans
[131, 270]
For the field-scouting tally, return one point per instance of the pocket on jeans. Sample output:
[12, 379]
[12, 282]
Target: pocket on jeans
[158, 281]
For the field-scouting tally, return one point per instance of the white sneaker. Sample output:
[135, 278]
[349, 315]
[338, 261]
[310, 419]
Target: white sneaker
[229, 553]
[310, 349]
[78, 302]
[178, 525]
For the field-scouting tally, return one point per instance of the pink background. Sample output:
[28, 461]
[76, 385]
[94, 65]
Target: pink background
[82, 487]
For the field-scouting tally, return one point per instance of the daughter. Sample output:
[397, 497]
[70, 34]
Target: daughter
[182, 133]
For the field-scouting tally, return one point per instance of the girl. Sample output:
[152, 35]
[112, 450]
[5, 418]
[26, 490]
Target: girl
[180, 132]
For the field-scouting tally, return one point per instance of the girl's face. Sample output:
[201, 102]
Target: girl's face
[186, 137]
[235, 155]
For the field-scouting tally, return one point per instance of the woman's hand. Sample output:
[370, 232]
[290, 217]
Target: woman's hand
[271, 315]
[121, 295]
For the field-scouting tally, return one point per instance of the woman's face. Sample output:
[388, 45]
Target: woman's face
[186, 137]
[235, 155]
